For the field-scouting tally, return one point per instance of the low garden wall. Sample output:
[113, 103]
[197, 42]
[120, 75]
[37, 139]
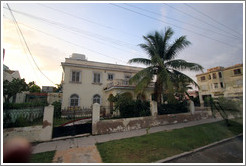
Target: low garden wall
[31, 133]
[127, 124]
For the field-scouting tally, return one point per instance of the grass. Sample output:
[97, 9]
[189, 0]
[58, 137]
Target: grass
[45, 157]
[157, 146]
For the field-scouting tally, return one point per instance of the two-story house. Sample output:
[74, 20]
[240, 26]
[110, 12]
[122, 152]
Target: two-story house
[87, 82]
[221, 82]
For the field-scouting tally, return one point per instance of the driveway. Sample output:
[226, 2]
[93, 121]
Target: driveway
[227, 152]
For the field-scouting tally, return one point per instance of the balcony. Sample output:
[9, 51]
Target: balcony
[123, 83]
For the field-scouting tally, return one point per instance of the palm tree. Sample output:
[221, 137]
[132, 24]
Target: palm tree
[162, 63]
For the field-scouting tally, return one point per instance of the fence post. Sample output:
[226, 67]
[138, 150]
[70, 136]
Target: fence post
[191, 107]
[46, 133]
[95, 117]
[153, 108]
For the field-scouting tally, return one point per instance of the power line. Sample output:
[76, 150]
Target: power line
[81, 32]
[87, 20]
[171, 24]
[212, 19]
[58, 38]
[19, 35]
[98, 36]
[27, 45]
[198, 19]
[222, 34]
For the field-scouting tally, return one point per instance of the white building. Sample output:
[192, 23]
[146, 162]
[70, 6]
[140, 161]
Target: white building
[86, 82]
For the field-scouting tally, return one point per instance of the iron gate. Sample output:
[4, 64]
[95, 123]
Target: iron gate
[72, 121]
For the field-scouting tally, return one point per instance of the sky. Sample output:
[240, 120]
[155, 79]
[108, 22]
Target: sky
[112, 32]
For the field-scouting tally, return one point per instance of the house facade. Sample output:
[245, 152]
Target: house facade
[221, 82]
[87, 82]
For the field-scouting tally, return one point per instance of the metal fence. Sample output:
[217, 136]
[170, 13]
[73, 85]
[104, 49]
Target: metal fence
[27, 116]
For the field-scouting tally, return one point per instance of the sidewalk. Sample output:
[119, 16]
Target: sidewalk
[79, 145]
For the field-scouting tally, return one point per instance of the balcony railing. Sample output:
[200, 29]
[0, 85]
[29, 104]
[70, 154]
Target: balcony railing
[123, 83]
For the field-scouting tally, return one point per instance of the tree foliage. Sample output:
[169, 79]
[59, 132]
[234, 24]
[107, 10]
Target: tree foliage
[162, 63]
[32, 87]
[10, 89]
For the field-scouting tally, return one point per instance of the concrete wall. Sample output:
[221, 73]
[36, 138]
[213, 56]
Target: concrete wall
[127, 124]
[52, 97]
[31, 133]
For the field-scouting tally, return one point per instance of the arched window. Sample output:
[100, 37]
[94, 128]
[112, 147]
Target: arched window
[96, 99]
[74, 100]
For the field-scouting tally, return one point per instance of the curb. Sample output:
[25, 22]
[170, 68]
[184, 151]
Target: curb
[196, 150]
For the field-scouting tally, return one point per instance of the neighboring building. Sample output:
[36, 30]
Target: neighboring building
[52, 97]
[221, 82]
[10, 74]
[48, 89]
[88, 82]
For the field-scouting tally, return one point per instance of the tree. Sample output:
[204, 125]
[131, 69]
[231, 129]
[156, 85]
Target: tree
[10, 89]
[59, 87]
[162, 63]
[32, 87]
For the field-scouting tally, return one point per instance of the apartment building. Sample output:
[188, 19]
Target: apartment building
[221, 82]
[87, 82]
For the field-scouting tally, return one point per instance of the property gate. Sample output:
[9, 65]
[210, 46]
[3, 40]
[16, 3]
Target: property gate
[72, 121]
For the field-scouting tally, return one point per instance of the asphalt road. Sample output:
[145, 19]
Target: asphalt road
[227, 152]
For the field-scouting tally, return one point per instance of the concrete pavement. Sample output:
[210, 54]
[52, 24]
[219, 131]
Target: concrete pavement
[63, 147]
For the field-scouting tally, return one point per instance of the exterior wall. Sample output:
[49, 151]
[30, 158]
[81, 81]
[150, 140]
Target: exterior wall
[232, 83]
[119, 125]
[52, 97]
[48, 89]
[86, 89]
[10, 75]
[32, 133]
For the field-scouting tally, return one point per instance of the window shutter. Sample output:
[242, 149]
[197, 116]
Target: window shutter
[71, 73]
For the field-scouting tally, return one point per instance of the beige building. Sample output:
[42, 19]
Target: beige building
[87, 82]
[221, 82]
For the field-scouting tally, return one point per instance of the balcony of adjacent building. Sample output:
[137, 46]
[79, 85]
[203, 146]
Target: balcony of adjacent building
[123, 84]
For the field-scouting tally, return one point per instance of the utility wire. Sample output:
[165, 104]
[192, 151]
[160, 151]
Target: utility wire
[197, 19]
[100, 37]
[27, 45]
[171, 24]
[81, 32]
[22, 44]
[212, 19]
[149, 11]
[87, 20]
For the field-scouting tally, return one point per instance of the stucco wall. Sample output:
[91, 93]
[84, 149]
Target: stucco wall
[127, 124]
[87, 89]
[32, 133]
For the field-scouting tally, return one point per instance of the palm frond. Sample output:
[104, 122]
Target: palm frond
[183, 77]
[177, 46]
[140, 60]
[183, 65]
[141, 74]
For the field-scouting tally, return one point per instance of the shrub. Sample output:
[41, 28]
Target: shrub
[57, 109]
[173, 108]
[23, 105]
[131, 108]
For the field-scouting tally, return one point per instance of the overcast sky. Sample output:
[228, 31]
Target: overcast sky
[111, 33]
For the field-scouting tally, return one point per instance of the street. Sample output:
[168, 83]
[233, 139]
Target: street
[227, 152]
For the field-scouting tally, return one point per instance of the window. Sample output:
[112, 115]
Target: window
[75, 76]
[110, 76]
[127, 76]
[221, 85]
[74, 100]
[203, 78]
[215, 85]
[214, 76]
[97, 78]
[209, 77]
[220, 75]
[237, 71]
[96, 99]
